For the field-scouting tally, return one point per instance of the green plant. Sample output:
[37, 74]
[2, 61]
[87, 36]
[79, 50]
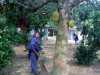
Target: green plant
[6, 51]
[89, 20]
[6, 54]
[8, 37]
[85, 55]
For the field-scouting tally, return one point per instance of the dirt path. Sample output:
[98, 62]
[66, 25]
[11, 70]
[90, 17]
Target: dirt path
[21, 64]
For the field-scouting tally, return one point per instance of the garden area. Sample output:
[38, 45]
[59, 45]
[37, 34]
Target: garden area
[57, 21]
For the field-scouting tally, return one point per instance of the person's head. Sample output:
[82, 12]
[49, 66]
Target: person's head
[37, 34]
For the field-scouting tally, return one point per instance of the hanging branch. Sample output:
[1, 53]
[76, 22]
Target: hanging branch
[23, 5]
[33, 8]
[74, 3]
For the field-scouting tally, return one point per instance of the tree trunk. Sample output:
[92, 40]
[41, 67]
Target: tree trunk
[60, 58]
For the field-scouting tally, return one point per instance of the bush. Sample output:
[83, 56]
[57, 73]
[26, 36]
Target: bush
[6, 55]
[8, 37]
[20, 39]
[85, 55]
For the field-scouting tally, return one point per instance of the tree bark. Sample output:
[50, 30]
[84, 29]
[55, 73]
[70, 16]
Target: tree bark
[60, 59]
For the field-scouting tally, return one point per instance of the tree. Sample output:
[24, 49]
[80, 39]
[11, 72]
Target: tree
[86, 52]
[64, 8]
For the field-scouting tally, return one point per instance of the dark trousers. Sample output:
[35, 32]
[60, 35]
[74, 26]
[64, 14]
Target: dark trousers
[34, 64]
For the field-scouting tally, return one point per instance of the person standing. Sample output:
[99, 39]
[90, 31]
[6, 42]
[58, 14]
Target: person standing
[34, 49]
[75, 37]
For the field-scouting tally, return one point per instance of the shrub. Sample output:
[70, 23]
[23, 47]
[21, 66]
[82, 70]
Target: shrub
[6, 54]
[8, 37]
[85, 55]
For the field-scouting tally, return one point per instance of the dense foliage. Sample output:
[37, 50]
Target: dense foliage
[90, 22]
[8, 37]
[40, 18]
[85, 55]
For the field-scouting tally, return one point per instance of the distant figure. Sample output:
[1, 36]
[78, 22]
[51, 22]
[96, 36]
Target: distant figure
[34, 49]
[75, 37]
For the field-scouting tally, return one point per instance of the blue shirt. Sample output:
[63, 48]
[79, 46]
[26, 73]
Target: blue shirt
[34, 44]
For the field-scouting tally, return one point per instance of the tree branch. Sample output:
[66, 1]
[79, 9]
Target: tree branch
[74, 3]
[34, 8]
[23, 5]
